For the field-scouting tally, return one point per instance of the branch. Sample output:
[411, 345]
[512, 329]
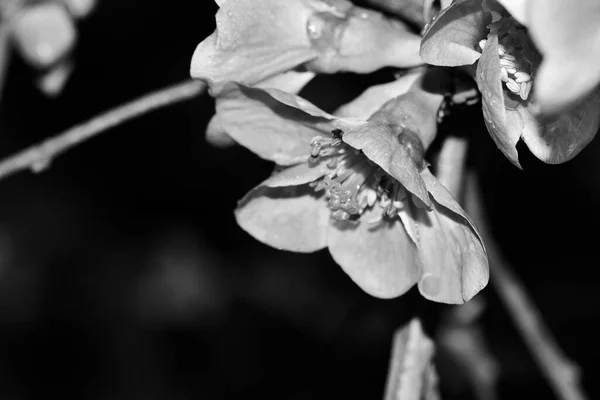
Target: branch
[410, 373]
[4, 55]
[38, 157]
[562, 373]
[450, 166]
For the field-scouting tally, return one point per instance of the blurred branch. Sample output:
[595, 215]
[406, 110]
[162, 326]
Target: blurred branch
[4, 55]
[450, 168]
[562, 373]
[38, 157]
[460, 335]
[411, 375]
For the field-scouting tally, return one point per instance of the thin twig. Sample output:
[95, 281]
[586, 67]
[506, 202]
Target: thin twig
[38, 156]
[562, 373]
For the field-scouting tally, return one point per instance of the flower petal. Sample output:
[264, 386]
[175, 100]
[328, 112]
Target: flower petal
[567, 33]
[374, 97]
[216, 135]
[372, 41]
[381, 259]
[381, 145]
[505, 127]
[455, 265]
[552, 139]
[290, 218]
[290, 81]
[297, 175]
[556, 139]
[451, 40]
[255, 39]
[271, 129]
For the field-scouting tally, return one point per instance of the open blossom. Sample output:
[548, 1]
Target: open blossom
[566, 33]
[44, 34]
[482, 31]
[266, 43]
[361, 188]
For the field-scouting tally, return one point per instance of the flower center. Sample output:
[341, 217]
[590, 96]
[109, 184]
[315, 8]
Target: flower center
[516, 56]
[354, 182]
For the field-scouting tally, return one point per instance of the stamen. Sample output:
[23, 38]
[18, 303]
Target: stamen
[513, 86]
[355, 183]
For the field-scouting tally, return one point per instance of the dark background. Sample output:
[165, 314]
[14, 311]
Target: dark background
[123, 274]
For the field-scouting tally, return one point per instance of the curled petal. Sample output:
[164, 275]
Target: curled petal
[567, 33]
[273, 130]
[382, 146]
[290, 81]
[455, 264]
[451, 40]
[255, 39]
[290, 218]
[381, 259]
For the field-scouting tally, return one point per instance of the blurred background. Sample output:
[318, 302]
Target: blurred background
[123, 274]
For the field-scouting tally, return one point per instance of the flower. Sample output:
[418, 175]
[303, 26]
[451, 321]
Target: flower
[360, 188]
[507, 66]
[44, 34]
[566, 33]
[262, 43]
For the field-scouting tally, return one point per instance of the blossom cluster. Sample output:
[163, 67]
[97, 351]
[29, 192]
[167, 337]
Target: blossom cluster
[44, 34]
[357, 181]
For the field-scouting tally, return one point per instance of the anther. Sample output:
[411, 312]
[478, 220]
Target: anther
[513, 86]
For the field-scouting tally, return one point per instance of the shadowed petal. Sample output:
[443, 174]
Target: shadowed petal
[290, 218]
[269, 128]
[380, 258]
[381, 145]
[255, 39]
[455, 265]
[451, 40]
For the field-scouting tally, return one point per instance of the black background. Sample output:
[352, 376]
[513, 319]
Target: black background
[123, 274]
